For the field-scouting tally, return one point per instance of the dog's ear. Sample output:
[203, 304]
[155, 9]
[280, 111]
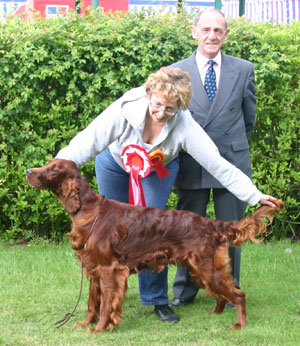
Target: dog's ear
[70, 195]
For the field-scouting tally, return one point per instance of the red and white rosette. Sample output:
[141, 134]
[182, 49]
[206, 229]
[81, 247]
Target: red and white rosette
[137, 163]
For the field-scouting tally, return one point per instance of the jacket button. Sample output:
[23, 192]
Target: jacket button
[226, 132]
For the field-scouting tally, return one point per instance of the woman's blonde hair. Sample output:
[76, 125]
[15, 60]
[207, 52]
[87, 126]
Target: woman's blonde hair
[173, 84]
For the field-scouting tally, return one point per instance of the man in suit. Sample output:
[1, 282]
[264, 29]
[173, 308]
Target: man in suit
[228, 118]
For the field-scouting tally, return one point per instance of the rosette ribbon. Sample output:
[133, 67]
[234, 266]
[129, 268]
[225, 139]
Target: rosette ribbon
[157, 159]
[138, 164]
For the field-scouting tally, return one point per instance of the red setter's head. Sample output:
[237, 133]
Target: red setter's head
[62, 178]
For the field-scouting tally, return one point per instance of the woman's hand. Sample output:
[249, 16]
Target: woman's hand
[267, 200]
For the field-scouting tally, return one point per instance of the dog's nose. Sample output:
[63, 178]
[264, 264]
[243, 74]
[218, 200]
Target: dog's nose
[29, 171]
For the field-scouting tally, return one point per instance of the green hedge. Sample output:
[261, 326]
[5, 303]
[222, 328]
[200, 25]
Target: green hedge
[57, 75]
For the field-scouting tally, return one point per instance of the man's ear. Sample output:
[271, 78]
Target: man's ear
[226, 34]
[194, 31]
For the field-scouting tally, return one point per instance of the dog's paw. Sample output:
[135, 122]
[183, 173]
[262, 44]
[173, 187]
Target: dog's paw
[236, 326]
[79, 324]
[91, 331]
[215, 312]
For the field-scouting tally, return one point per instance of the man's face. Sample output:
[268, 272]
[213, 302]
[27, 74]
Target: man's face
[211, 32]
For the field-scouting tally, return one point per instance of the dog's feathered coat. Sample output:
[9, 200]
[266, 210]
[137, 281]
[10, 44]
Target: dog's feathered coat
[115, 239]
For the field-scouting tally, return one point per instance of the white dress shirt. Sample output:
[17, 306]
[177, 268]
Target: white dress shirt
[202, 64]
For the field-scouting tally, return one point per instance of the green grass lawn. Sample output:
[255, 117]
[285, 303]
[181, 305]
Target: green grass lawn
[40, 284]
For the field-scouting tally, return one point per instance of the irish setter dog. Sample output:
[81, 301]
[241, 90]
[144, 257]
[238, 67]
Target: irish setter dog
[113, 240]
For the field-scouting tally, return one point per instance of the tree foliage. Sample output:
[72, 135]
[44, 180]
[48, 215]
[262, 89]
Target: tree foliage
[57, 75]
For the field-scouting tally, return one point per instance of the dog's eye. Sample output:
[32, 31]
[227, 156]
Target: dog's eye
[53, 170]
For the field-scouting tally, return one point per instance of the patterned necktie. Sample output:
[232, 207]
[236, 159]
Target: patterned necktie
[210, 84]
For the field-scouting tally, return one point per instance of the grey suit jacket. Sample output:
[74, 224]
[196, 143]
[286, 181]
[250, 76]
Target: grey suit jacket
[229, 121]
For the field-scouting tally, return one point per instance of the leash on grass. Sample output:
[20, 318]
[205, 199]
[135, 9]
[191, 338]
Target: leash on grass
[69, 315]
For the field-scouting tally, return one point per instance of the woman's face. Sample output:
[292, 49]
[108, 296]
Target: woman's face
[160, 109]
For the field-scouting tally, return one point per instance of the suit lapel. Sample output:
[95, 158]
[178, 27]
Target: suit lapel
[200, 99]
[228, 79]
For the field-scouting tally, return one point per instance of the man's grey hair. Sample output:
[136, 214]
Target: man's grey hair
[196, 20]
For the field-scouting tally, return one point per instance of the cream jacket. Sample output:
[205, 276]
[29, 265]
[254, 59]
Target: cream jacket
[123, 122]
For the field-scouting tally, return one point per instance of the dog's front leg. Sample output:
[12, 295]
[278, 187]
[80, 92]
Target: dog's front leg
[93, 304]
[113, 285]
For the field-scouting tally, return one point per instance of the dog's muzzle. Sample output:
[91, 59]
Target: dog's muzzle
[29, 171]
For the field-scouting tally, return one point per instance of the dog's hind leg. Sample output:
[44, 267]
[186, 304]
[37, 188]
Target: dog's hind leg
[239, 301]
[93, 304]
[222, 287]
[221, 302]
[205, 278]
[113, 284]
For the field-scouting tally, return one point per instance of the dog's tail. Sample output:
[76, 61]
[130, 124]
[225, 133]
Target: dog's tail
[254, 225]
